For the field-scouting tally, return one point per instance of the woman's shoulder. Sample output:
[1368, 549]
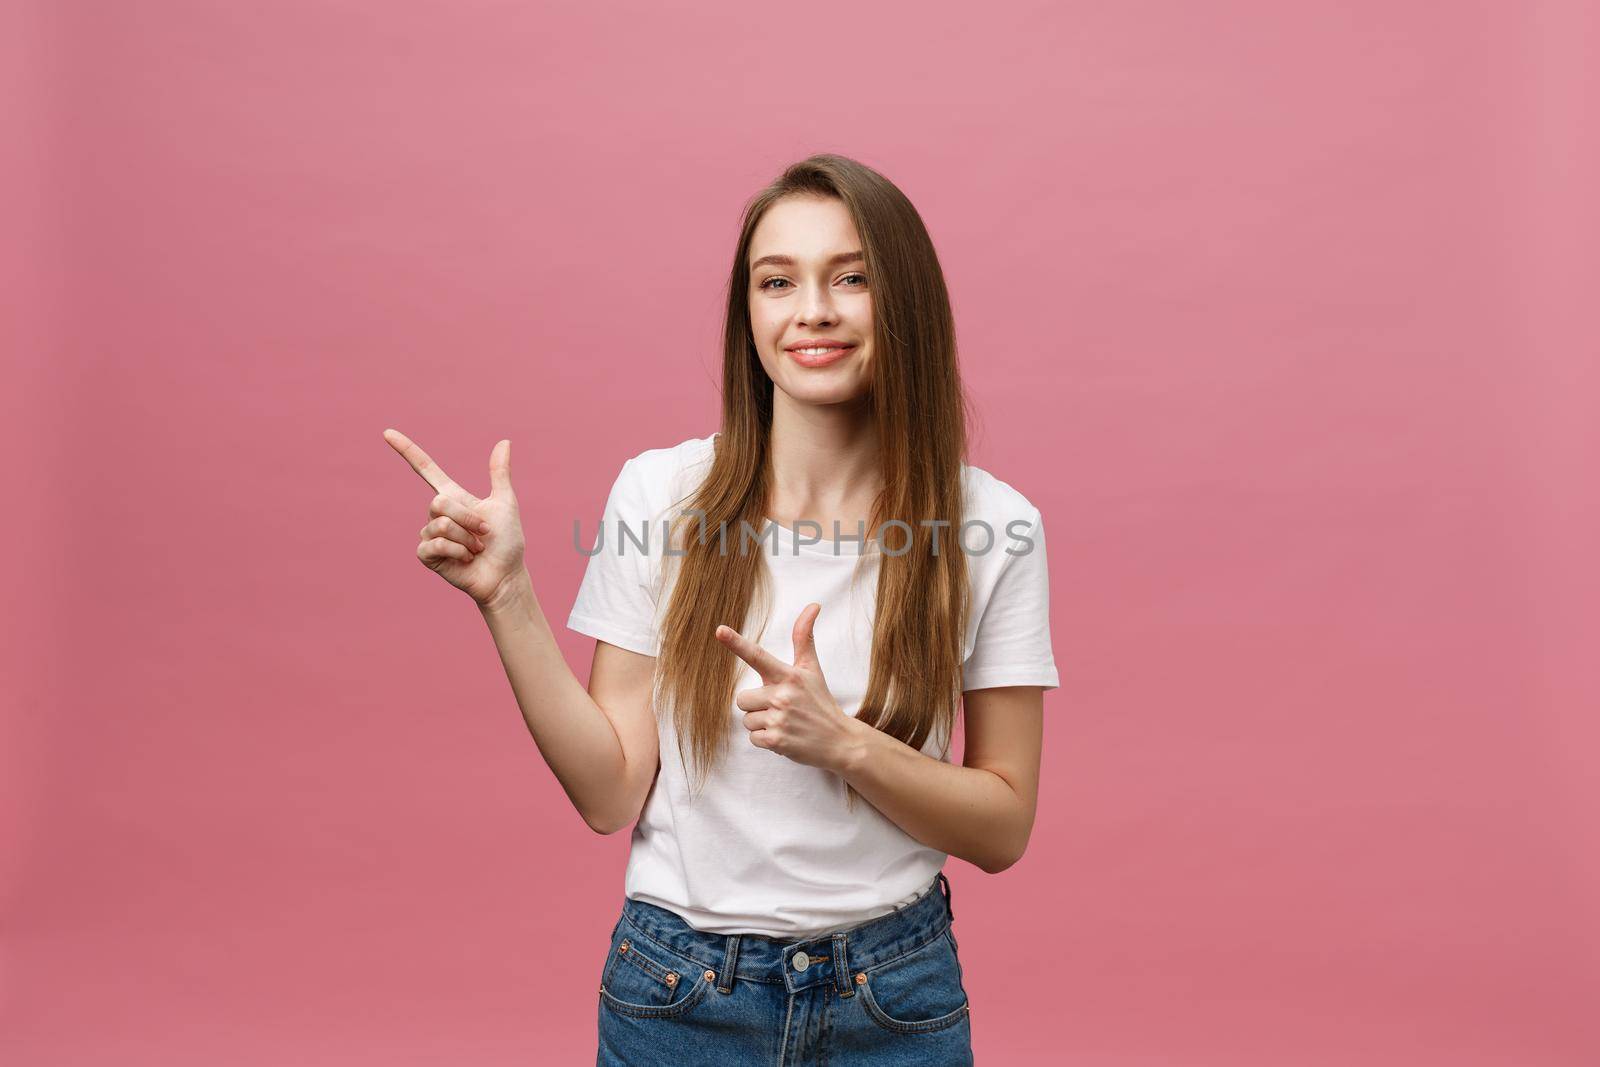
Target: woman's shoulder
[994, 501]
[671, 458]
[1011, 524]
[656, 478]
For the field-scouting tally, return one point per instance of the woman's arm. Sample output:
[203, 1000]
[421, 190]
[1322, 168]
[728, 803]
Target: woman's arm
[600, 743]
[981, 811]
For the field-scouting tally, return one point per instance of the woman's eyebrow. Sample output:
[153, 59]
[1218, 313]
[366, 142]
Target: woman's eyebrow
[788, 261]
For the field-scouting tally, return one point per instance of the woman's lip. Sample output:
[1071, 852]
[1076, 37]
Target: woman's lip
[822, 359]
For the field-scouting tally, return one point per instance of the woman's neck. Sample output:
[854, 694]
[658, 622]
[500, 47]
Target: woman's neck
[825, 461]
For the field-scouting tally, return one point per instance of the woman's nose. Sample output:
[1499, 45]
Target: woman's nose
[817, 309]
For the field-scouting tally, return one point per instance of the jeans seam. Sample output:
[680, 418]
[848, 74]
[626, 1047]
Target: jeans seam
[667, 948]
[869, 968]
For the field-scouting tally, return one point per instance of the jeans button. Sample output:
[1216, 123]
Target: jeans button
[801, 961]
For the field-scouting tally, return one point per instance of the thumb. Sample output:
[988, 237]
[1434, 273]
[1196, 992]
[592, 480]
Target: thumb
[500, 469]
[805, 638]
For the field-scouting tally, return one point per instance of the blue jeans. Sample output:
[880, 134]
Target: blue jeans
[886, 992]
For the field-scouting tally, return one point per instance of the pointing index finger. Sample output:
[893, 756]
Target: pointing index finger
[767, 665]
[424, 465]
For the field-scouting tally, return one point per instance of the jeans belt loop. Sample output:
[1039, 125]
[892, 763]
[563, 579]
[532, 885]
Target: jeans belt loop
[841, 966]
[730, 960]
[949, 909]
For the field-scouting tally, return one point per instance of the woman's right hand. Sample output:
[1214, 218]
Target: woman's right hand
[475, 545]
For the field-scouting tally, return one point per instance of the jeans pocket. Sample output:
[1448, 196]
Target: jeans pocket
[918, 992]
[643, 980]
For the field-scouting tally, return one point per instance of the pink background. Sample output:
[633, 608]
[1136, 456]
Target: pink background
[1274, 309]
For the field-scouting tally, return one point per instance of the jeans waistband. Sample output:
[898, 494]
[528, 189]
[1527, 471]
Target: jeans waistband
[802, 962]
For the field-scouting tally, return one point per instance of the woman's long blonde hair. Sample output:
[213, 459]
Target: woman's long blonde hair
[919, 405]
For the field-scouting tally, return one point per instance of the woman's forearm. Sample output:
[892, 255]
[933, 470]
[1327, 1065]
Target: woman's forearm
[572, 732]
[967, 812]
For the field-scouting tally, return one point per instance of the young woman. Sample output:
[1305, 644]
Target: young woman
[786, 621]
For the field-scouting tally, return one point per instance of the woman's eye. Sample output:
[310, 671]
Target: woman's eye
[768, 284]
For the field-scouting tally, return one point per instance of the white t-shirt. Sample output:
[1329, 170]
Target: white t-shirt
[767, 845]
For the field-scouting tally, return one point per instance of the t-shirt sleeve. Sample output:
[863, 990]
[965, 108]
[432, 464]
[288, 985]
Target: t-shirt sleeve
[1012, 645]
[614, 602]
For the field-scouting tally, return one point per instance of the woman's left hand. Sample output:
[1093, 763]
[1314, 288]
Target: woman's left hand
[792, 713]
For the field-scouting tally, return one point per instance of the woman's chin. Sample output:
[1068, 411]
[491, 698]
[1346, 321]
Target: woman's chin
[821, 393]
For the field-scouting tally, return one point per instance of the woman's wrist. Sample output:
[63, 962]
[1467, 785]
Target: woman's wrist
[512, 597]
[857, 747]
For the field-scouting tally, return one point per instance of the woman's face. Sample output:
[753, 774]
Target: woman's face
[807, 283]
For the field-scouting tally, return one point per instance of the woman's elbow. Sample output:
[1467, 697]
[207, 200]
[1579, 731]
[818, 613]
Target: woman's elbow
[1007, 857]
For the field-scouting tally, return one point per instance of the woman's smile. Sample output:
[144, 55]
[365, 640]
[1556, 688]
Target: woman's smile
[819, 357]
